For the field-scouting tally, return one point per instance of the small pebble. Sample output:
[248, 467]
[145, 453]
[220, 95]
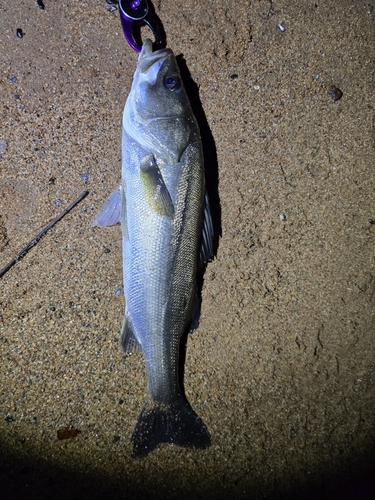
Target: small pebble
[19, 33]
[85, 177]
[118, 291]
[280, 28]
[282, 217]
[112, 2]
[234, 76]
[3, 147]
[334, 92]
[67, 433]
[111, 8]
[57, 202]
[12, 79]
[8, 419]
[40, 4]
[371, 221]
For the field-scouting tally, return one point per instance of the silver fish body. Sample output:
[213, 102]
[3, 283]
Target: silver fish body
[167, 237]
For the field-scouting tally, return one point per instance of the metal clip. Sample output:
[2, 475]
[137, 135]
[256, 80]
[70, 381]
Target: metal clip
[135, 13]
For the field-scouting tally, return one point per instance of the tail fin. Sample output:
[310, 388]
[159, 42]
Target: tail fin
[175, 423]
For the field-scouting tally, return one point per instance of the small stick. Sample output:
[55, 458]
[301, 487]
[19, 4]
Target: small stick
[37, 238]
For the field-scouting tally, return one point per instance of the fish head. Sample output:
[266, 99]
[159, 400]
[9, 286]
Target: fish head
[157, 113]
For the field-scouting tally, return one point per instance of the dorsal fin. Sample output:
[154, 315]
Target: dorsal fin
[206, 251]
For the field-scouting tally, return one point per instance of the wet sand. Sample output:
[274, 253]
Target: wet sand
[281, 369]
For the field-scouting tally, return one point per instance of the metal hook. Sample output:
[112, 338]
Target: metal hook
[135, 13]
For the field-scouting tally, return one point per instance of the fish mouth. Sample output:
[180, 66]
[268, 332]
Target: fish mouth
[148, 58]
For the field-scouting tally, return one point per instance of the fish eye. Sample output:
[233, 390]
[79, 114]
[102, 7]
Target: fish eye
[172, 82]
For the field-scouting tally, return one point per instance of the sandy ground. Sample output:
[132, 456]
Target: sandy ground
[281, 369]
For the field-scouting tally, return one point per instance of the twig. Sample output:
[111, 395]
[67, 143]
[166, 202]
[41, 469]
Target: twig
[37, 238]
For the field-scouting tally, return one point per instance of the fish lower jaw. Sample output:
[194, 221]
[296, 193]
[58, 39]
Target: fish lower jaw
[158, 57]
[147, 51]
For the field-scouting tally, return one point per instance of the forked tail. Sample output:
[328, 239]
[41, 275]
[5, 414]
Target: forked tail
[175, 423]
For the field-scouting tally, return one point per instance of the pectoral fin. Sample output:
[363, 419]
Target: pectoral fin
[111, 211]
[154, 188]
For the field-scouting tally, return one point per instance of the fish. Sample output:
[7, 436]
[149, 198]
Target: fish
[167, 239]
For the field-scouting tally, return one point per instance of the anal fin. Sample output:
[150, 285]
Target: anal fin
[128, 338]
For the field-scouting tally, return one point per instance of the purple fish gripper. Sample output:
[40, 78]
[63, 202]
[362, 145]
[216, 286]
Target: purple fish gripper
[130, 12]
[138, 12]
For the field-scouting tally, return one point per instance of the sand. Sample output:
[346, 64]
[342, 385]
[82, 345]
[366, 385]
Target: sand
[281, 369]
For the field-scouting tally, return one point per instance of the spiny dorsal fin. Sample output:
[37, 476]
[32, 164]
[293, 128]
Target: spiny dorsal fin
[206, 251]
